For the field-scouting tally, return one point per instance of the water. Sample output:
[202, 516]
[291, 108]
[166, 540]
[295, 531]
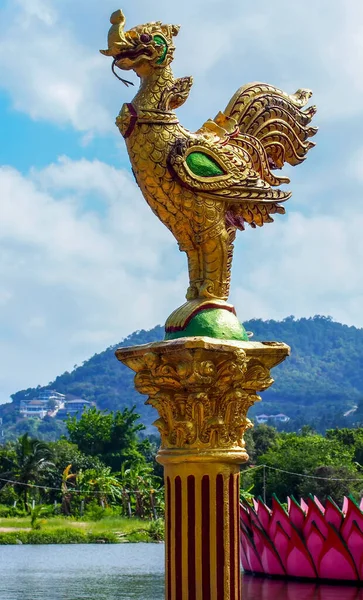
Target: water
[82, 572]
[122, 572]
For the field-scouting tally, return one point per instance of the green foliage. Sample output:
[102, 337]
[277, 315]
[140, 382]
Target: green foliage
[263, 438]
[35, 513]
[352, 438]
[28, 463]
[57, 536]
[94, 511]
[112, 436]
[307, 457]
[75, 482]
[66, 453]
[11, 511]
[157, 530]
[47, 429]
[246, 495]
[147, 497]
[99, 483]
[138, 536]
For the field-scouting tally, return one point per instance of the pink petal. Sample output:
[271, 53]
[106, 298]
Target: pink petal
[270, 559]
[296, 514]
[352, 513]
[279, 515]
[299, 562]
[355, 545]
[315, 543]
[319, 504]
[244, 515]
[264, 515]
[304, 506]
[333, 514]
[336, 562]
[314, 515]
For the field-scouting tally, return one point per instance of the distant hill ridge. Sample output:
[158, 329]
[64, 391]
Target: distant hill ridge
[321, 380]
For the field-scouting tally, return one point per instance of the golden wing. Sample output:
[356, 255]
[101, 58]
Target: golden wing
[221, 169]
[226, 169]
[276, 119]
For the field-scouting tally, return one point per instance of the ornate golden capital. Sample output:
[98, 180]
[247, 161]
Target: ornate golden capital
[202, 389]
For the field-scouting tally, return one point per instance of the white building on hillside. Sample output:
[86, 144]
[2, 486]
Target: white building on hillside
[53, 397]
[33, 408]
[263, 419]
[48, 402]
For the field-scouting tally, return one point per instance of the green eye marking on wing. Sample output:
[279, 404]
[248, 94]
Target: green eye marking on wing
[202, 165]
[160, 41]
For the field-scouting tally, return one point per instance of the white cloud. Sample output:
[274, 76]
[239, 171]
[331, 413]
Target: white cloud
[49, 73]
[72, 283]
[302, 266]
[50, 65]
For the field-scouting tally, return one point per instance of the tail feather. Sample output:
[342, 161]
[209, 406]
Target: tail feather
[276, 119]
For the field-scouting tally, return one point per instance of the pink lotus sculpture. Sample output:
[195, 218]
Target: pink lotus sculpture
[306, 541]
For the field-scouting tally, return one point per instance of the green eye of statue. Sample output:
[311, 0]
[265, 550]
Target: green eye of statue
[160, 41]
[202, 165]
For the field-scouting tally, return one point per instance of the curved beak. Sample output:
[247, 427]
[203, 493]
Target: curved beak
[117, 40]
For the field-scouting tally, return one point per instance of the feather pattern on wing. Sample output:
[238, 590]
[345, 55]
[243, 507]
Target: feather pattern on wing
[276, 119]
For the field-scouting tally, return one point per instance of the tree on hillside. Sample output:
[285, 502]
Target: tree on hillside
[305, 457]
[65, 452]
[352, 438]
[29, 463]
[264, 437]
[113, 437]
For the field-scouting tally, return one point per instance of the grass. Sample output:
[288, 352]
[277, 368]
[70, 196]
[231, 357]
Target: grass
[63, 530]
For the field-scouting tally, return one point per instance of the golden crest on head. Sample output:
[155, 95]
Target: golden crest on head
[116, 35]
[118, 17]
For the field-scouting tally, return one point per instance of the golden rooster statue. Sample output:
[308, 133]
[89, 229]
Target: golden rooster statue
[205, 185]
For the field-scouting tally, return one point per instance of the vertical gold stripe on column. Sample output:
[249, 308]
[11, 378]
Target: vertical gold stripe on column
[227, 571]
[167, 549]
[213, 536]
[235, 569]
[184, 480]
[198, 535]
[238, 556]
[172, 537]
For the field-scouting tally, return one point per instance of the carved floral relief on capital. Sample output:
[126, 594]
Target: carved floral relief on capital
[202, 397]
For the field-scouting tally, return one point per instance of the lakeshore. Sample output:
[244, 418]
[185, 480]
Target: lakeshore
[65, 530]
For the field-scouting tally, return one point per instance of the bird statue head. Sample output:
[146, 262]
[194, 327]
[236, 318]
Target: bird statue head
[142, 48]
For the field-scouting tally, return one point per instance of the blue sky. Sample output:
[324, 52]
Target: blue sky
[83, 262]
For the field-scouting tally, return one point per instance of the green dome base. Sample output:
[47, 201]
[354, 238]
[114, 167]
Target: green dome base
[216, 323]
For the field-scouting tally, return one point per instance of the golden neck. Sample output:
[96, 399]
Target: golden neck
[152, 85]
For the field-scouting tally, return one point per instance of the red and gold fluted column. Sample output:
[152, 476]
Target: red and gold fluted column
[202, 526]
[202, 389]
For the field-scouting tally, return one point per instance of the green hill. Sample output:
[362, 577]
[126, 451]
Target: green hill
[321, 380]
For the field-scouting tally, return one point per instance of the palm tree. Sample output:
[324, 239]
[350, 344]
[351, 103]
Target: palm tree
[29, 464]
